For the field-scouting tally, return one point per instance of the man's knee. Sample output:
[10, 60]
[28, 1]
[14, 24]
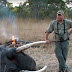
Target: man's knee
[59, 56]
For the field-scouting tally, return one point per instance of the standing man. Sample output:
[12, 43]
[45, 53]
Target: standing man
[60, 26]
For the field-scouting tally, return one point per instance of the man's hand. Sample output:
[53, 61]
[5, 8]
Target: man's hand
[47, 41]
[70, 32]
[46, 37]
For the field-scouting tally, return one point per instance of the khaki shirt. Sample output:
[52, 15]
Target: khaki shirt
[60, 32]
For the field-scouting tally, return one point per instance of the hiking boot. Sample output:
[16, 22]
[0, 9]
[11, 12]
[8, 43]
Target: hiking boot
[62, 71]
[67, 69]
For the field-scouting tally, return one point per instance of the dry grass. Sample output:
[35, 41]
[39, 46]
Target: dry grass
[30, 30]
[33, 30]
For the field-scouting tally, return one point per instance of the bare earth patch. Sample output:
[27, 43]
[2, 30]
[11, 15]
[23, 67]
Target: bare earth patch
[46, 56]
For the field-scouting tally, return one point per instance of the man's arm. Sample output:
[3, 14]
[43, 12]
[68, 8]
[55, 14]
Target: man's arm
[49, 30]
[46, 37]
[70, 32]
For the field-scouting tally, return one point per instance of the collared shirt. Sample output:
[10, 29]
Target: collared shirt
[53, 26]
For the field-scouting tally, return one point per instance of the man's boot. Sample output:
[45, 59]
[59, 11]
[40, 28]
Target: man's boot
[67, 69]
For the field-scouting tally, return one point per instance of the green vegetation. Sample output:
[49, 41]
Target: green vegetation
[37, 9]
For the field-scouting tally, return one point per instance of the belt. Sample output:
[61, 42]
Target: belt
[63, 40]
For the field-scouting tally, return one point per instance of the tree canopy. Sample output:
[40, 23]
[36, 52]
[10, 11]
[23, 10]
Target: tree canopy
[37, 9]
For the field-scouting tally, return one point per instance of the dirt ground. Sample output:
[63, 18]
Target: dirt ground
[44, 55]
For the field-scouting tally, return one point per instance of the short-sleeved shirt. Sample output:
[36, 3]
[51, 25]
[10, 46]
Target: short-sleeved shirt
[59, 29]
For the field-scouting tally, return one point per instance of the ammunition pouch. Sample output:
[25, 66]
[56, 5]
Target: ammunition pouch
[61, 37]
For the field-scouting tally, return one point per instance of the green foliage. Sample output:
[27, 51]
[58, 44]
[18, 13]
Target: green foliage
[4, 12]
[38, 9]
[68, 13]
[46, 8]
[22, 11]
[3, 3]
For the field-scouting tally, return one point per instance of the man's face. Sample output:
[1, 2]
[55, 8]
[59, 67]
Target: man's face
[60, 17]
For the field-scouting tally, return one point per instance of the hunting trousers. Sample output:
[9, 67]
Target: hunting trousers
[61, 51]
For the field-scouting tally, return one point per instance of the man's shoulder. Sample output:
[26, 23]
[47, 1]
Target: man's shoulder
[54, 21]
[66, 20]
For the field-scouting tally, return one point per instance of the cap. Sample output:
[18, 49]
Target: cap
[60, 12]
